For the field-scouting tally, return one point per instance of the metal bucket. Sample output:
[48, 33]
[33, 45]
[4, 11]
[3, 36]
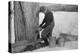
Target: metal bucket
[52, 42]
[61, 42]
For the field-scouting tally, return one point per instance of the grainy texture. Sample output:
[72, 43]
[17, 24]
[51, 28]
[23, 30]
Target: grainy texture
[19, 26]
[26, 22]
[26, 27]
[31, 20]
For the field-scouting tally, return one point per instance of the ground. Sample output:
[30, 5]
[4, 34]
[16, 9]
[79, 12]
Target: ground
[68, 46]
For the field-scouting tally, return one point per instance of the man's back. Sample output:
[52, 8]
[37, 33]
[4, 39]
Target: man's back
[48, 19]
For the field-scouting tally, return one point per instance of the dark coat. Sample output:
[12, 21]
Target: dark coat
[47, 20]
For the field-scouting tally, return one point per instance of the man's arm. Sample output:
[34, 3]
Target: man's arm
[45, 25]
[41, 25]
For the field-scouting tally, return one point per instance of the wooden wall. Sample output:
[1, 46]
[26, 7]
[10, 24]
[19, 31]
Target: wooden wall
[31, 20]
[26, 22]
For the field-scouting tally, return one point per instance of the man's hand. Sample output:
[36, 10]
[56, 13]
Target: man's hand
[40, 28]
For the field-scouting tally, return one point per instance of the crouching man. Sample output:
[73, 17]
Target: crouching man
[47, 24]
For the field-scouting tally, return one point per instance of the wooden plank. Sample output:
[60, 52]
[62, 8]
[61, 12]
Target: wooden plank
[63, 7]
[25, 43]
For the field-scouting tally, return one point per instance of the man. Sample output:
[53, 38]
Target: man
[47, 24]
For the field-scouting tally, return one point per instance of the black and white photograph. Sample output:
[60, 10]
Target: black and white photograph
[39, 26]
